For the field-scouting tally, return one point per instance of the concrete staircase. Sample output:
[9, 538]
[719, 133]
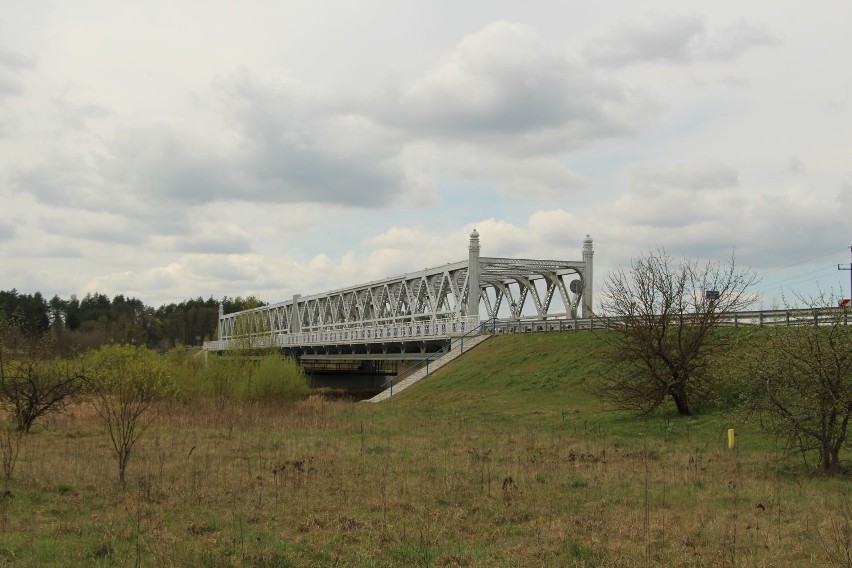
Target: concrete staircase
[435, 364]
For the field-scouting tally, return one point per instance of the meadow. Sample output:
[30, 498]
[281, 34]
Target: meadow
[502, 458]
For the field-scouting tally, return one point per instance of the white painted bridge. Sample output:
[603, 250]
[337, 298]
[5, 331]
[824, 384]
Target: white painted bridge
[416, 311]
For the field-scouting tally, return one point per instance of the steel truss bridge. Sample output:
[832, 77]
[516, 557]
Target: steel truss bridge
[408, 315]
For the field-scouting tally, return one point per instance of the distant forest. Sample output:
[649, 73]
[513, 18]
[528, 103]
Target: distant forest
[81, 324]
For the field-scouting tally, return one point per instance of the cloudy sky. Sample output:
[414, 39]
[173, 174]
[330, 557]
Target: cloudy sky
[168, 150]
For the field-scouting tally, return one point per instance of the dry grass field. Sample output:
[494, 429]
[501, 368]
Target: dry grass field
[501, 459]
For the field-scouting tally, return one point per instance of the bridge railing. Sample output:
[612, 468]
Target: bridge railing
[409, 331]
[466, 326]
[378, 333]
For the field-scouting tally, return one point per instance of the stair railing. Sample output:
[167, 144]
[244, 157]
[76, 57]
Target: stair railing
[487, 326]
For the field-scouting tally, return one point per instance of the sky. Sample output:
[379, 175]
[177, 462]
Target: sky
[170, 150]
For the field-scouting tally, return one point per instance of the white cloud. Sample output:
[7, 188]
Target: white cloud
[137, 283]
[211, 237]
[9, 85]
[95, 226]
[149, 157]
[795, 166]
[14, 60]
[398, 250]
[405, 238]
[675, 39]
[78, 116]
[536, 176]
[265, 140]
[11, 64]
[503, 109]
[735, 40]
[698, 176]
[844, 196]
[7, 230]
[505, 87]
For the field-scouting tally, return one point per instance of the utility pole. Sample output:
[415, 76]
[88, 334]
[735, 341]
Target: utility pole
[841, 267]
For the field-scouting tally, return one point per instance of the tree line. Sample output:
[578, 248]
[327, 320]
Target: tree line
[101, 351]
[96, 319]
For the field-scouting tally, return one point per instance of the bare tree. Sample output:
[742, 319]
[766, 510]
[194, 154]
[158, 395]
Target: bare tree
[34, 382]
[801, 384]
[10, 446]
[666, 317]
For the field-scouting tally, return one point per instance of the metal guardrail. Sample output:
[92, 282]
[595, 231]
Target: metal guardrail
[795, 317]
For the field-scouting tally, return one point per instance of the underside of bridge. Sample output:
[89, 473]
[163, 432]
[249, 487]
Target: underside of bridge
[402, 319]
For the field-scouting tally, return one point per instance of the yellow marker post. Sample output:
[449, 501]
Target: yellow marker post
[731, 439]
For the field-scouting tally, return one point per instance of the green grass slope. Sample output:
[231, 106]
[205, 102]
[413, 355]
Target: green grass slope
[543, 381]
[515, 375]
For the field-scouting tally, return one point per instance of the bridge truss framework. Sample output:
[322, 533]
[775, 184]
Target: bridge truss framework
[406, 313]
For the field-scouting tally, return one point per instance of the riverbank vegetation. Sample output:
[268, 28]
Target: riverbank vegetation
[503, 458]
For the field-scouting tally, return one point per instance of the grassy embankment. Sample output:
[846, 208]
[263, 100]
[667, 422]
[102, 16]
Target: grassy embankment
[500, 459]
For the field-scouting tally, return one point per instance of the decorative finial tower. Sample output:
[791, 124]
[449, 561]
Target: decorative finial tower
[588, 256]
[221, 328]
[473, 274]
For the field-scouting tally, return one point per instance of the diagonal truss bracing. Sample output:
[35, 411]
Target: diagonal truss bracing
[433, 301]
[433, 295]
